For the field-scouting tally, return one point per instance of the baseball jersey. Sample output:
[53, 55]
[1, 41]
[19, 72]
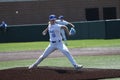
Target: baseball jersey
[62, 22]
[54, 32]
[3, 25]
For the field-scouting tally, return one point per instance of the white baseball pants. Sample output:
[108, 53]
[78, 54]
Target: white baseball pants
[52, 47]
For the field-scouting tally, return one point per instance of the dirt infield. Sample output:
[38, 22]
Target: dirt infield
[57, 73]
[5, 56]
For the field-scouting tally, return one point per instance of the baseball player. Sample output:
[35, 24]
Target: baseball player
[55, 43]
[3, 26]
[61, 21]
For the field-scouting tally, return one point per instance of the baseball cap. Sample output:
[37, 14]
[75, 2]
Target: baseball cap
[61, 17]
[52, 17]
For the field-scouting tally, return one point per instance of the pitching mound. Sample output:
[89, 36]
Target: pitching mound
[57, 73]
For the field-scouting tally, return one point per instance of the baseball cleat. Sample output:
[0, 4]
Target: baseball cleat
[32, 66]
[78, 67]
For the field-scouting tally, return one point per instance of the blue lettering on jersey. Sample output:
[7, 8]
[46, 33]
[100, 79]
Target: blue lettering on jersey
[52, 33]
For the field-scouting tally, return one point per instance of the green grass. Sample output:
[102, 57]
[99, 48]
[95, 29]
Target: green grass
[94, 43]
[109, 61]
[22, 46]
[25, 46]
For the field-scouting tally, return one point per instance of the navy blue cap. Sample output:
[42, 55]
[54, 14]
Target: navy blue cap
[52, 17]
[61, 17]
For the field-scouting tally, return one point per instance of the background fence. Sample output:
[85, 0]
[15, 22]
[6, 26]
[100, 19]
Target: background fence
[106, 29]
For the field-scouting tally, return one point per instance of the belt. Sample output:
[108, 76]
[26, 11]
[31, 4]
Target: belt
[55, 41]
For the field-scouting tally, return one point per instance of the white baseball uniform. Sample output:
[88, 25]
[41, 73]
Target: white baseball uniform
[55, 43]
[63, 22]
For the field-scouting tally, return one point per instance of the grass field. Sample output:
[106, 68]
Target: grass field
[111, 61]
[25, 46]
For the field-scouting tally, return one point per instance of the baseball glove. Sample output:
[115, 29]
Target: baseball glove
[72, 31]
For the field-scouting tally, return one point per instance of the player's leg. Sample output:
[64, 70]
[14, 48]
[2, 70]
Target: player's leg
[66, 52]
[64, 36]
[47, 51]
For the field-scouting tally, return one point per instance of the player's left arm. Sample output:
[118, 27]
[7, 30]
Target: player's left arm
[45, 31]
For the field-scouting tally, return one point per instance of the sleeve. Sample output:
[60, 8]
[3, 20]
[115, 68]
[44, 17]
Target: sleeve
[66, 23]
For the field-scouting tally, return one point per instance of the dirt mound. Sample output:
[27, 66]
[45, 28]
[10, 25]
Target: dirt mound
[57, 73]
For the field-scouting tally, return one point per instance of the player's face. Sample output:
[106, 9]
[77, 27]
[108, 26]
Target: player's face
[52, 21]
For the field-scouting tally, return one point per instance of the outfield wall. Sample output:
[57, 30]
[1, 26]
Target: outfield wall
[85, 30]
